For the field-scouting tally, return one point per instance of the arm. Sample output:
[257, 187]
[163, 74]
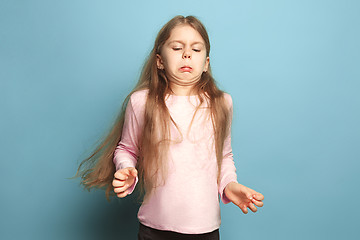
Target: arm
[230, 190]
[228, 170]
[127, 151]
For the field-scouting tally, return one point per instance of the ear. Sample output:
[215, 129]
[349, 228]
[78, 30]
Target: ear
[207, 61]
[159, 62]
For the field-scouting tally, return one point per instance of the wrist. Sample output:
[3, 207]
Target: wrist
[229, 186]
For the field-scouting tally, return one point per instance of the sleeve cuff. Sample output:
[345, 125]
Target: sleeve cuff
[124, 164]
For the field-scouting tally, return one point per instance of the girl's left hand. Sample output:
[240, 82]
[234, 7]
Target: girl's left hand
[243, 197]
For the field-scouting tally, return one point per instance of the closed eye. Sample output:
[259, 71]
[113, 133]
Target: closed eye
[197, 50]
[176, 49]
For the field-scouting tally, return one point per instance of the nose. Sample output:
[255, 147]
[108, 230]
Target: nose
[186, 54]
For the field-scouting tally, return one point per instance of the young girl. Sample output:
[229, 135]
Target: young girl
[173, 140]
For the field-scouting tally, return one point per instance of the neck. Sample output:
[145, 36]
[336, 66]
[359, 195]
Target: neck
[181, 90]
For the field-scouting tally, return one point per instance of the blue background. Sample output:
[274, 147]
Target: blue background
[292, 68]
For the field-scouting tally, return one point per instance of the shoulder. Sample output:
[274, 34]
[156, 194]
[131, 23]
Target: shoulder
[139, 95]
[138, 98]
[228, 99]
[136, 103]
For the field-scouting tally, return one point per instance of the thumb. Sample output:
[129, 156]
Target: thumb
[134, 172]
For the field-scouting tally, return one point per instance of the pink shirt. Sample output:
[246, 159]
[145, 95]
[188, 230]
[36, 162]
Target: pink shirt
[188, 202]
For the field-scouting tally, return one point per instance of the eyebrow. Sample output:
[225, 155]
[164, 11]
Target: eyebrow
[179, 41]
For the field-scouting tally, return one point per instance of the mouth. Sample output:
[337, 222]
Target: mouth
[186, 69]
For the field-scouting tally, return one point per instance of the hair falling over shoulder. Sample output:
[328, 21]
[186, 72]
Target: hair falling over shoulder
[97, 171]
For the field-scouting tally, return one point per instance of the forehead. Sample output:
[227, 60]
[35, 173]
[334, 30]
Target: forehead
[185, 33]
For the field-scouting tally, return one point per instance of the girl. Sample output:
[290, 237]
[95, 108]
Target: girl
[173, 139]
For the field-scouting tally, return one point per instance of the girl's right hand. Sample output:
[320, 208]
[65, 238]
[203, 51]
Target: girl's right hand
[123, 179]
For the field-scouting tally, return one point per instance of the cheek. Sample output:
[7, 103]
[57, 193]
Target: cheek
[170, 61]
[203, 62]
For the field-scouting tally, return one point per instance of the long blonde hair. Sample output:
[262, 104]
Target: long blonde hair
[98, 169]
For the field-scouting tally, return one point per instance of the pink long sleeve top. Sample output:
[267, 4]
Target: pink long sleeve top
[188, 202]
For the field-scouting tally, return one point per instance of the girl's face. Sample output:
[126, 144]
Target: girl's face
[183, 57]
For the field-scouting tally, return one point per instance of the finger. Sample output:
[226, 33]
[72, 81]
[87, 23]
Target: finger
[249, 196]
[117, 183]
[244, 209]
[122, 194]
[121, 189]
[258, 203]
[120, 175]
[252, 207]
[258, 196]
